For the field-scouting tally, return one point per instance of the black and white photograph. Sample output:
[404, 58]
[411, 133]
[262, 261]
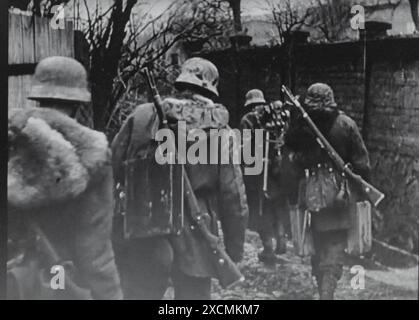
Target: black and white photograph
[226, 151]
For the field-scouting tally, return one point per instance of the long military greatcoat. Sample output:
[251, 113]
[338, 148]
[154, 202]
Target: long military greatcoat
[218, 187]
[60, 175]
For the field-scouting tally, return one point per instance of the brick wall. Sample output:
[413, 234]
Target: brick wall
[341, 66]
[394, 137]
[377, 87]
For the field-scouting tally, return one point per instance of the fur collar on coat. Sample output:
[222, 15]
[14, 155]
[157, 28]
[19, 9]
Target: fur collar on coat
[52, 157]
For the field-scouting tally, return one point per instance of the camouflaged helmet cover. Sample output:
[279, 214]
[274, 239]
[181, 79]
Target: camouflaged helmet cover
[201, 73]
[254, 97]
[60, 78]
[320, 95]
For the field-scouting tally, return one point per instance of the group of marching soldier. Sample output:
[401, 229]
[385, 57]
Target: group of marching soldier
[62, 178]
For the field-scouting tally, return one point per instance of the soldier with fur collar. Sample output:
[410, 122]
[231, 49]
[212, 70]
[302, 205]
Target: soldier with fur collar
[60, 176]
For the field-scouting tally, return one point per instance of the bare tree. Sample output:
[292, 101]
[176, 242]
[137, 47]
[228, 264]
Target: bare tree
[147, 44]
[289, 16]
[123, 40]
[236, 8]
[414, 10]
[105, 32]
[189, 21]
[331, 18]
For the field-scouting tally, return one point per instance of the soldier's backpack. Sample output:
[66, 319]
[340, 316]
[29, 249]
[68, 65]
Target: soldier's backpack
[149, 198]
[154, 199]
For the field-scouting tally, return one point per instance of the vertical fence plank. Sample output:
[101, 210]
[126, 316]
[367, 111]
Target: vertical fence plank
[19, 88]
[41, 38]
[12, 89]
[57, 42]
[28, 44]
[61, 41]
[26, 87]
[68, 42]
[30, 40]
[15, 85]
[54, 42]
[21, 98]
[15, 39]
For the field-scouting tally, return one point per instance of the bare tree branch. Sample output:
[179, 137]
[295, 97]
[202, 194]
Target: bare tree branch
[122, 43]
[414, 10]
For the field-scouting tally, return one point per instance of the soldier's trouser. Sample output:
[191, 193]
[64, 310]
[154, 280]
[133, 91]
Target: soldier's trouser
[190, 288]
[266, 230]
[327, 263]
[146, 267]
[271, 225]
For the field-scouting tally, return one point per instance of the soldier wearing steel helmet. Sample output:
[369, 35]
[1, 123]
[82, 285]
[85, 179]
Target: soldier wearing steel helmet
[330, 223]
[60, 180]
[63, 80]
[148, 264]
[266, 214]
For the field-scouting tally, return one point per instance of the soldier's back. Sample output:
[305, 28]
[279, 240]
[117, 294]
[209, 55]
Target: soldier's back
[60, 177]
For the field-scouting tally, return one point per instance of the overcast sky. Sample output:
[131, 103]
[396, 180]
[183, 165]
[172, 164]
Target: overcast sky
[249, 7]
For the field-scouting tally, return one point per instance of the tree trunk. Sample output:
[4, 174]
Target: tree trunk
[102, 86]
[105, 62]
[415, 13]
[236, 7]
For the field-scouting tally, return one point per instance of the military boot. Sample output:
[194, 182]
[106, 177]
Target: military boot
[268, 255]
[327, 287]
[281, 245]
[317, 281]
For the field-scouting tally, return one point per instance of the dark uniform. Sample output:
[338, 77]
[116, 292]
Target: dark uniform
[266, 214]
[329, 225]
[59, 176]
[146, 264]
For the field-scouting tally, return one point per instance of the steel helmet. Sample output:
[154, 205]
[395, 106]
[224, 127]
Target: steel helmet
[320, 95]
[253, 97]
[201, 73]
[60, 78]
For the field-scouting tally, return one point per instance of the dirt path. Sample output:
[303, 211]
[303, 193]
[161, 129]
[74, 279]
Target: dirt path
[291, 279]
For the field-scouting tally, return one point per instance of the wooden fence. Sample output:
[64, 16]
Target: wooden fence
[30, 40]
